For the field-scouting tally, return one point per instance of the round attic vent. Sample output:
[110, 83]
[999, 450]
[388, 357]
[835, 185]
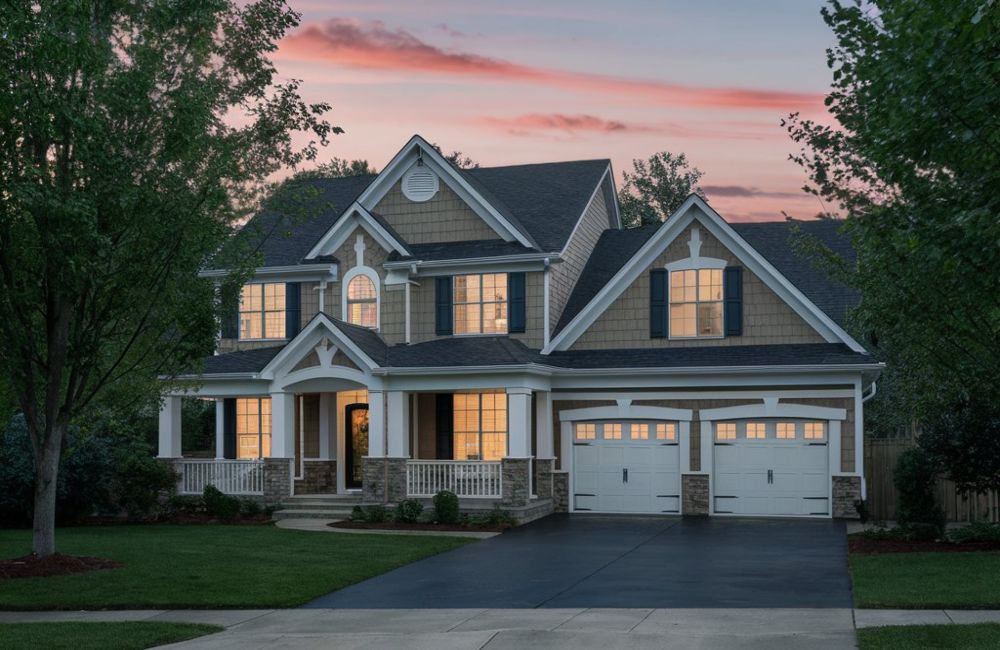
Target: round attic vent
[420, 184]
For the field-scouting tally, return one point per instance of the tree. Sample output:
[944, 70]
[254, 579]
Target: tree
[914, 162]
[656, 187]
[457, 158]
[336, 168]
[120, 176]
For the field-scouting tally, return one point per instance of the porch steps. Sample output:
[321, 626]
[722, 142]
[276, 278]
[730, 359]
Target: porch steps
[317, 506]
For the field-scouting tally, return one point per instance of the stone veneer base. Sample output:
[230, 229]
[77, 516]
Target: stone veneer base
[846, 490]
[694, 495]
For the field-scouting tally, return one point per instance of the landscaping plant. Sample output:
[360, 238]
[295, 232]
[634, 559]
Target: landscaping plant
[446, 507]
[218, 504]
[408, 511]
[918, 512]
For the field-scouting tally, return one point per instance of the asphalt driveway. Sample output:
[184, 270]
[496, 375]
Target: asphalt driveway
[624, 562]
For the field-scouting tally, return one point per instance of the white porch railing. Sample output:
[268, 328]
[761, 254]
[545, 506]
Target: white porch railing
[478, 479]
[230, 476]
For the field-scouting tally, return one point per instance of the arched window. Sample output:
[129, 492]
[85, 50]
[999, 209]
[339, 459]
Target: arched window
[362, 302]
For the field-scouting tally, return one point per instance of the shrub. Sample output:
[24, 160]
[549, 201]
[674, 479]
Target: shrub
[918, 511]
[861, 507]
[220, 505]
[250, 508]
[140, 480]
[495, 518]
[446, 507]
[358, 514]
[408, 511]
[977, 531]
[376, 514]
[186, 503]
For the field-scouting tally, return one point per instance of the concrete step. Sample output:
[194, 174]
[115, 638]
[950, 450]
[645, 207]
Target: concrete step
[310, 514]
[324, 498]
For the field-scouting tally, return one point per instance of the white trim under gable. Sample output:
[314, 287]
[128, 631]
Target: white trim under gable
[354, 217]
[695, 208]
[624, 410]
[416, 148]
[770, 407]
[316, 330]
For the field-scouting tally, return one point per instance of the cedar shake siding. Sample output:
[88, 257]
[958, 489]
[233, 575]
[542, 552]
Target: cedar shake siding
[444, 218]
[563, 276]
[766, 318]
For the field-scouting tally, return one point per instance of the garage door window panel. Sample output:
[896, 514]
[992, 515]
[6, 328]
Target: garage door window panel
[585, 431]
[612, 431]
[785, 430]
[756, 430]
[666, 431]
[725, 431]
[814, 431]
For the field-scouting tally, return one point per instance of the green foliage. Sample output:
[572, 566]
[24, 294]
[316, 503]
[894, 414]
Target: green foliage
[965, 440]
[358, 514]
[918, 512]
[218, 504]
[187, 504]
[336, 168]
[912, 157]
[495, 518]
[446, 507]
[457, 158]
[408, 511]
[376, 514]
[978, 531]
[140, 479]
[655, 188]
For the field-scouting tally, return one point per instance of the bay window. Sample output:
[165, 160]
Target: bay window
[480, 426]
[262, 311]
[480, 303]
[253, 427]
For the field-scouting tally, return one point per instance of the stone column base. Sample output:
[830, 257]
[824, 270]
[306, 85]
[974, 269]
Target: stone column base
[543, 477]
[277, 479]
[318, 477]
[846, 490]
[694, 495]
[383, 480]
[516, 477]
[560, 491]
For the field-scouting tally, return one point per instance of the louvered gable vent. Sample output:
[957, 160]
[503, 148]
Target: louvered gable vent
[420, 184]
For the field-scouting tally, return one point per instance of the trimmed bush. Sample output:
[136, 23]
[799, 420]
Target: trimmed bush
[186, 503]
[219, 504]
[376, 514]
[977, 531]
[918, 513]
[408, 511]
[446, 507]
[358, 514]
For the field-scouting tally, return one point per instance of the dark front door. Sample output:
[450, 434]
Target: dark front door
[356, 442]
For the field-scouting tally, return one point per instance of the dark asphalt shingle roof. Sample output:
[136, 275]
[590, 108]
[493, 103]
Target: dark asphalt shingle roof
[723, 355]
[239, 362]
[461, 250]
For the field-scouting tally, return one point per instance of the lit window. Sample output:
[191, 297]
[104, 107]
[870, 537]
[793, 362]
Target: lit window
[696, 303]
[666, 431]
[785, 431]
[586, 431]
[612, 432]
[756, 431]
[814, 431]
[639, 431]
[725, 431]
[262, 311]
[480, 421]
[481, 304]
[253, 427]
[362, 302]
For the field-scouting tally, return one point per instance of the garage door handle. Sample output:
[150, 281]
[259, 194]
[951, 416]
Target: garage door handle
[624, 475]
[770, 476]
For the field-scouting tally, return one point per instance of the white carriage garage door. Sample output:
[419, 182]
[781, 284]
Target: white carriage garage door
[623, 466]
[771, 467]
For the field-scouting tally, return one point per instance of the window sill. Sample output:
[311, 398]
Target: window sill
[696, 338]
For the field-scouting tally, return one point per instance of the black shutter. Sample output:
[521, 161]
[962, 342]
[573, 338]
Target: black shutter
[444, 414]
[442, 306]
[515, 302]
[732, 287]
[231, 322]
[229, 427]
[658, 327]
[293, 309]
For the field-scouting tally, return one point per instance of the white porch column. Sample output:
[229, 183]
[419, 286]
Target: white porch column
[685, 446]
[397, 423]
[544, 435]
[519, 422]
[707, 438]
[282, 425]
[376, 424]
[170, 427]
[220, 428]
[327, 425]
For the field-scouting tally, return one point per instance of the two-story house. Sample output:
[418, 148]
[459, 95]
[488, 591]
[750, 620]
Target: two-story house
[497, 333]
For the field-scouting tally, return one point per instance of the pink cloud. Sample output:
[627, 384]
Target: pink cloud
[372, 45]
[523, 124]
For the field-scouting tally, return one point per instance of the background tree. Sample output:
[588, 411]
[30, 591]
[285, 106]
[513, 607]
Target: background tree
[656, 187]
[457, 158]
[336, 168]
[120, 176]
[915, 165]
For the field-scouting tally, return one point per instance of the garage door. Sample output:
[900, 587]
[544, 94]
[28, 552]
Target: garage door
[626, 467]
[776, 467]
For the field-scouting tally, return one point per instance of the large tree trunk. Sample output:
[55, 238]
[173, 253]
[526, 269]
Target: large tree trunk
[46, 474]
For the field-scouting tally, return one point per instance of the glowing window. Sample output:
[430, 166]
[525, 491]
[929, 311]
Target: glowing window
[480, 304]
[666, 431]
[639, 431]
[586, 431]
[480, 421]
[785, 431]
[756, 431]
[253, 427]
[725, 431]
[814, 431]
[696, 303]
[613, 431]
[262, 311]
[362, 302]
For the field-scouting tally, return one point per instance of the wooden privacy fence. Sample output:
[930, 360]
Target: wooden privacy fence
[881, 455]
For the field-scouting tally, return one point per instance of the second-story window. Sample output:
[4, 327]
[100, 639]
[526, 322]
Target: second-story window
[480, 303]
[696, 303]
[262, 311]
[362, 302]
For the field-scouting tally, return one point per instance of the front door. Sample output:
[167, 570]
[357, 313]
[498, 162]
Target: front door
[355, 443]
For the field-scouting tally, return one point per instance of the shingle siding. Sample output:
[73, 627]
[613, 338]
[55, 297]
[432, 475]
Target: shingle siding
[767, 319]
[444, 218]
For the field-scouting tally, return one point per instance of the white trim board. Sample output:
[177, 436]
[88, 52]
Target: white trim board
[356, 216]
[305, 341]
[693, 209]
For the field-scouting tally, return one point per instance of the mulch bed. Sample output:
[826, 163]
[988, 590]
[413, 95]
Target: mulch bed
[395, 525]
[860, 545]
[31, 566]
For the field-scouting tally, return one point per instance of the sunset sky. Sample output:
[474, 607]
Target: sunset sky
[517, 82]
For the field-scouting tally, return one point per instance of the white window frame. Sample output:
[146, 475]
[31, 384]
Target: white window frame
[697, 303]
[372, 275]
[482, 305]
[479, 429]
[263, 314]
[260, 426]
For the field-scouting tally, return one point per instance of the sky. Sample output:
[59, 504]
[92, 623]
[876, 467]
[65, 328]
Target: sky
[528, 81]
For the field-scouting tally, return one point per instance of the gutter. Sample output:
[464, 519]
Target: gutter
[547, 370]
[528, 257]
[311, 270]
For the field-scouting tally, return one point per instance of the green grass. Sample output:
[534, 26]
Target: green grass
[927, 580]
[931, 637]
[208, 566]
[98, 636]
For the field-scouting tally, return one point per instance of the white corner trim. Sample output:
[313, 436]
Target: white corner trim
[625, 411]
[305, 341]
[372, 275]
[694, 207]
[418, 147]
[356, 216]
[771, 407]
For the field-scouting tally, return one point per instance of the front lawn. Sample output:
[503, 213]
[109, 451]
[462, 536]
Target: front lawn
[98, 636]
[208, 566]
[934, 637]
[927, 580]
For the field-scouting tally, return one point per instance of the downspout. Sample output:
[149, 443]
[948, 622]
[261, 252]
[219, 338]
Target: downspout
[864, 399]
[545, 303]
[874, 389]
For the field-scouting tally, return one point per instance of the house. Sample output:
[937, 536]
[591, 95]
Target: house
[495, 332]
